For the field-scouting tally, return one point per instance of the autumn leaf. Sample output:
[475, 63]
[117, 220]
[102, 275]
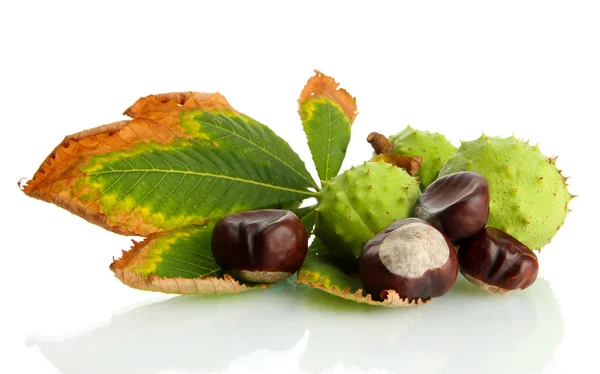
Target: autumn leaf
[182, 159]
[178, 261]
[327, 113]
[321, 270]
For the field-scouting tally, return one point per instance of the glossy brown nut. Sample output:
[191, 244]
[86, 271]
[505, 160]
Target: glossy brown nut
[260, 246]
[457, 204]
[496, 262]
[412, 258]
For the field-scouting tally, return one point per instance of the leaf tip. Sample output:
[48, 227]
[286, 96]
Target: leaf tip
[321, 85]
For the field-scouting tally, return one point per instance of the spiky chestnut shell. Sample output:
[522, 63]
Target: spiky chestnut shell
[360, 202]
[528, 195]
[434, 148]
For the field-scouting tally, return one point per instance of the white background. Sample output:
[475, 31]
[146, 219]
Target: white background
[522, 67]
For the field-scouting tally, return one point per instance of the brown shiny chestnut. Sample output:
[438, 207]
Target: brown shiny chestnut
[260, 246]
[457, 204]
[497, 262]
[412, 258]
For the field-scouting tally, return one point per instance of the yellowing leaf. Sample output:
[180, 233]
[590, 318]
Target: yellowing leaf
[183, 159]
[178, 261]
[323, 86]
[327, 113]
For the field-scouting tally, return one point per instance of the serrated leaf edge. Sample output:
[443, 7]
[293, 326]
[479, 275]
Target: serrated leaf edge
[183, 286]
[161, 110]
[392, 299]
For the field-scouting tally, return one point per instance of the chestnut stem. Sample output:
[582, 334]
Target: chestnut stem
[380, 143]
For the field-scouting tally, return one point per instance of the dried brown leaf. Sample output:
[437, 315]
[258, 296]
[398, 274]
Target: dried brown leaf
[183, 286]
[155, 118]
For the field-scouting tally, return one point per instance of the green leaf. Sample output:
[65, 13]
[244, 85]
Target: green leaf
[183, 159]
[308, 217]
[327, 113]
[321, 270]
[177, 261]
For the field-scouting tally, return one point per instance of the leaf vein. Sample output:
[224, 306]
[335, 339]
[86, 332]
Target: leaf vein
[184, 249]
[217, 176]
[126, 193]
[177, 206]
[179, 269]
[162, 202]
[144, 198]
[284, 162]
[172, 258]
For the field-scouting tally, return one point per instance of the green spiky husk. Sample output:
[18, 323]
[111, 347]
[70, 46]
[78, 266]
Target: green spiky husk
[434, 148]
[528, 194]
[360, 202]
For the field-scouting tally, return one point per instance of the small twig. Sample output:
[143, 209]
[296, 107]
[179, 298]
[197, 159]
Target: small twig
[380, 143]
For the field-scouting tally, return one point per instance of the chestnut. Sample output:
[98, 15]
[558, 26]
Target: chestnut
[260, 246]
[456, 204]
[497, 262]
[412, 258]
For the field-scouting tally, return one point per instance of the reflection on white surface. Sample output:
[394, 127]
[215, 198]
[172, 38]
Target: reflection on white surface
[465, 331]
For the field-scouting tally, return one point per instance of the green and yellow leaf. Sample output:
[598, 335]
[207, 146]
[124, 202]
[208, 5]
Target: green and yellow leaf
[179, 261]
[182, 159]
[320, 270]
[327, 113]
